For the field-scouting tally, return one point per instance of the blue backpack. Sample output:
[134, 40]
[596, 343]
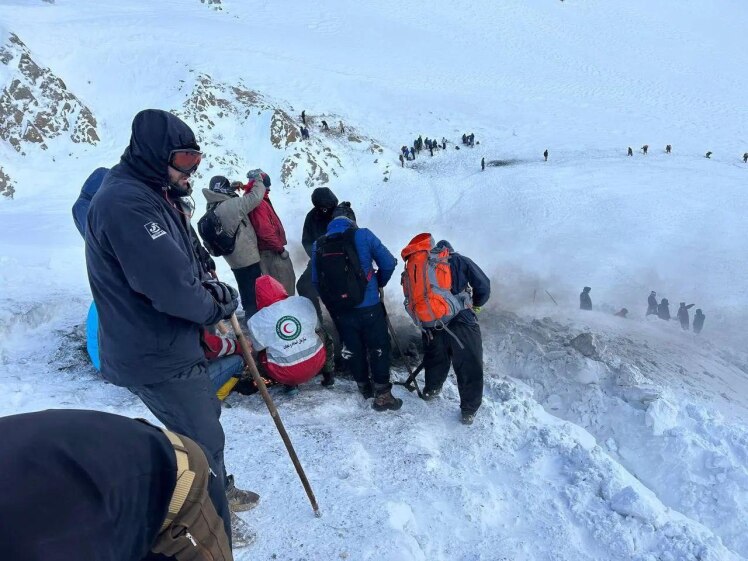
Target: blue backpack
[80, 208]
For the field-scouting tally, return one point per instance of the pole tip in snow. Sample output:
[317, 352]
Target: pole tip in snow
[317, 513]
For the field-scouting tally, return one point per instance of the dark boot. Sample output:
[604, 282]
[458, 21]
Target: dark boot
[328, 378]
[240, 500]
[241, 534]
[467, 418]
[366, 390]
[430, 394]
[385, 401]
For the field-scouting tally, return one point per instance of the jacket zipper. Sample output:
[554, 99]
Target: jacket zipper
[203, 550]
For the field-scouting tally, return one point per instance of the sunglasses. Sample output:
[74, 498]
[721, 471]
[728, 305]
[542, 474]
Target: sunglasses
[185, 160]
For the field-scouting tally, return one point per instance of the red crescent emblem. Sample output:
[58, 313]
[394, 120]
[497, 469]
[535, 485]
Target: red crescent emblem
[285, 329]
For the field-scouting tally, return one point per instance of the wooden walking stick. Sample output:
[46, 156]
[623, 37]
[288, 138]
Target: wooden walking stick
[273, 411]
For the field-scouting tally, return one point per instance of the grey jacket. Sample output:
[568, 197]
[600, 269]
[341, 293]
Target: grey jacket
[233, 213]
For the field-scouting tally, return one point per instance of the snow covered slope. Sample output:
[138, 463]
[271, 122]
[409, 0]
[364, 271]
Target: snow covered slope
[585, 79]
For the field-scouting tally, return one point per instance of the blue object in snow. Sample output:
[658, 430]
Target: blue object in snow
[92, 335]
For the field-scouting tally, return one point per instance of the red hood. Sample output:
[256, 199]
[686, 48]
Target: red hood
[269, 291]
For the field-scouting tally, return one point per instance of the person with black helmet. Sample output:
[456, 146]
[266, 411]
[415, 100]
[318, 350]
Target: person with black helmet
[232, 210]
[146, 282]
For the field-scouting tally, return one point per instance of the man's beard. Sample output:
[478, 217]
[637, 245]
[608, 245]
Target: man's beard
[179, 191]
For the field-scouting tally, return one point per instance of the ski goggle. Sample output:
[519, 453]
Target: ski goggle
[185, 160]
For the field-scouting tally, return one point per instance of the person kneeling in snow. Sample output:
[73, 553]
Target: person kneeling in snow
[285, 332]
[225, 362]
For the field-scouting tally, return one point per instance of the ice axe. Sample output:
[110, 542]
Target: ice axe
[411, 383]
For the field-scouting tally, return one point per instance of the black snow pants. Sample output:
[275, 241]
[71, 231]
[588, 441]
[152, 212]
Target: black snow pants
[441, 350]
[245, 281]
[305, 288]
[366, 344]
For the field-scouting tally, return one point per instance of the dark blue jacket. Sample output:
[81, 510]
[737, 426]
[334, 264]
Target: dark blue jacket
[80, 207]
[369, 249]
[465, 272]
[82, 485]
[143, 273]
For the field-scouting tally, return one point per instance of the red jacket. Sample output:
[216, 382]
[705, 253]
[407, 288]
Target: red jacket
[216, 347]
[270, 233]
[293, 359]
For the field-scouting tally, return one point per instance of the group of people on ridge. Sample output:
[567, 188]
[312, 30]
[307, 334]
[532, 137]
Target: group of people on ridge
[135, 491]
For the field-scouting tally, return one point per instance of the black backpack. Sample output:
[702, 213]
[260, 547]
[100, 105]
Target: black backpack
[217, 240]
[340, 279]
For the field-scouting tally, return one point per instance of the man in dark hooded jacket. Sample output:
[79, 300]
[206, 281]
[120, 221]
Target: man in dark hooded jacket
[585, 302]
[442, 349]
[683, 317]
[652, 304]
[88, 485]
[146, 282]
[315, 226]
[698, 321]
[663, 309]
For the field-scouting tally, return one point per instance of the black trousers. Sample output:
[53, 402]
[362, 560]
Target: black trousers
[245, 281]
[305, 288]
[442, 351]
[366, 344]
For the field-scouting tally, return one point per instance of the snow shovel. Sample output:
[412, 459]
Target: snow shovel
[273, 411]
[411, 383]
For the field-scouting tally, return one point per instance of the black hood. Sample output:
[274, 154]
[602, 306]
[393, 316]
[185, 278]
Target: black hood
[155, 134]
[444, 243]
[322, 197]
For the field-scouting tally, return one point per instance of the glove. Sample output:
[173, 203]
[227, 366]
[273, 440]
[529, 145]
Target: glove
[221, 292]
[236, 185]
[477, 309]
[255, 174]
[209, 264]
[284, 254]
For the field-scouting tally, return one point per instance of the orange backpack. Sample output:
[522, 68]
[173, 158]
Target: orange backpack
[427, 284]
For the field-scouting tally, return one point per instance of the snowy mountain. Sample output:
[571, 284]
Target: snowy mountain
[599, 438]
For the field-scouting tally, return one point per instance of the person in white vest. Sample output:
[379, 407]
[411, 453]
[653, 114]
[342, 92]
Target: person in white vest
[285, 333]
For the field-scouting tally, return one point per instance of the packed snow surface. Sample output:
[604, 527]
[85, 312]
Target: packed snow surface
[629, 443]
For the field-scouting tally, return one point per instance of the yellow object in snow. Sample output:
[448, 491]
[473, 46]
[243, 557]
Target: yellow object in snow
[225, 389]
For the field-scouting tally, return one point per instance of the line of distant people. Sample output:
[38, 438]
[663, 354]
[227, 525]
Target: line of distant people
[669, 150]
[661, 309]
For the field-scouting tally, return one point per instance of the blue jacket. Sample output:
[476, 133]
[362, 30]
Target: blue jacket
[369, 249]
[142, 269]
[80, 207]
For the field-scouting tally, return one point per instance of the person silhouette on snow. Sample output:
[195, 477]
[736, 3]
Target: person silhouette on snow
[683, 316]
[745, 158]
[698, 321]
[652, 304]
[147, 286]
[363, 326]
[630, 151]
[483, 164]
[585, 302]
[663, 309]
[545, 155]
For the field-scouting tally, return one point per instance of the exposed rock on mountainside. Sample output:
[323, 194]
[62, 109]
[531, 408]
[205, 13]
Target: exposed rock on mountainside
[35, 104]
[6, 185]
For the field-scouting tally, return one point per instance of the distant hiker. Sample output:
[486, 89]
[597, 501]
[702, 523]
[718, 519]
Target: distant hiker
[444, 143]
[645, 148]
[412, 153]
[147, 286]
[420, 143]
[652, 304]
[80, 207]
[545, 155]
[451, 335]
[698, 321]
[431, 149]
[92, 485]
[402, 161]
[464, 138]
[343, 272]
[683, 316]
[622, 313]
[286, 332]
[745, 158]
[630, 152]
[708, 155]
[668, 149]
[240, 248]
[304, 133]
[342, 128]
[325, 125]
[471, 139]
[303, 117]
[483, 164]
[271, 236]
[663, 309]
[585, 302]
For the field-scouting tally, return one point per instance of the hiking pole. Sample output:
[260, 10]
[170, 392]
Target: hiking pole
[552, 298]
[273, 412]
[411, 376]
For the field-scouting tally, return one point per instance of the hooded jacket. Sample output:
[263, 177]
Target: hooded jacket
[270, 233]
[80, 207]
[284, 332]
[316, 222]
[466, 273]
[370, 250]
[82, 485]
[663, 309]
[233, 214]
[142, 268]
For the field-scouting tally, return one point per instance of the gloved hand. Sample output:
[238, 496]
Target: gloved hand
[236, 185]
[209, 264]
[255, 174]
[284, 254]
[477, 309]
[224, 295]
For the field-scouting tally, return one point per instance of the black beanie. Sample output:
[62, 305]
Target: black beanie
[344, 209]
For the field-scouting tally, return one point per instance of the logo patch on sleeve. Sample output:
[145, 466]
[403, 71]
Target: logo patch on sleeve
[155, 230]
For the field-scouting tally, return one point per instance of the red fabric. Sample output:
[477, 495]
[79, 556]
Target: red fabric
[216, 347]
[297, 373]
[268, 291]
[270, 233]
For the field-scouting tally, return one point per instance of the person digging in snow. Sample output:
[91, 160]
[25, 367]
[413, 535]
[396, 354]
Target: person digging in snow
[343, 273]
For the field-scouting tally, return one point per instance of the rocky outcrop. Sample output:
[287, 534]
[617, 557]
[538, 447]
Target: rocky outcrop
[6, 185]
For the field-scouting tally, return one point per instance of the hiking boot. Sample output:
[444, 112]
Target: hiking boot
[291, 391]
[428, 395]
[366, 390]
[467, 418]
[328, 379]
[385, 401]
[240, 500]
[241, 534]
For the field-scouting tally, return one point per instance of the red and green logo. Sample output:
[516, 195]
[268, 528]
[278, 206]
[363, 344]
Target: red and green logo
[288, 328]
